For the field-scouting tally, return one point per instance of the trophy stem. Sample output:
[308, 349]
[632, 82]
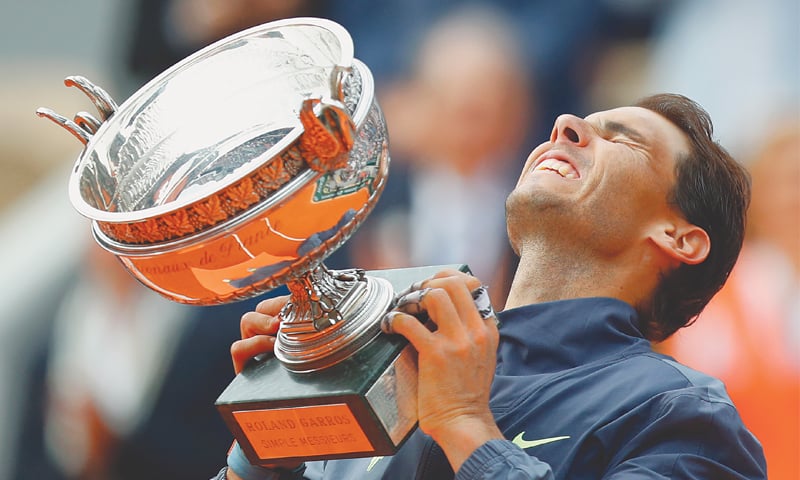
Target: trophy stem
[330, 316]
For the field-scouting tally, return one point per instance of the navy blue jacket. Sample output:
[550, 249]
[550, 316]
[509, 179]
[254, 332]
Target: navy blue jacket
[579, 394]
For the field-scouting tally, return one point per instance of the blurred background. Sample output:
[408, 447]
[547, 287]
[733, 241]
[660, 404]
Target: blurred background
[102, 379]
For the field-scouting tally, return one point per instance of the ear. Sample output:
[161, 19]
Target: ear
[685, 243]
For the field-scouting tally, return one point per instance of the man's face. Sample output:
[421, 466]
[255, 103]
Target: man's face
[601, 180]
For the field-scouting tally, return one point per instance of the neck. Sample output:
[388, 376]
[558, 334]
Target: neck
[545, 275]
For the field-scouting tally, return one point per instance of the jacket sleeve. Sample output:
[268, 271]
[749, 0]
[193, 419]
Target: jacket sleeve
[689, 437]
[501, 459]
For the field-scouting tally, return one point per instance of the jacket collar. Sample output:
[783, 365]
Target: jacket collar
[553, 336]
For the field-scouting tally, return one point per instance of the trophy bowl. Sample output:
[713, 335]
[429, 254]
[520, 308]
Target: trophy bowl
[240, 169]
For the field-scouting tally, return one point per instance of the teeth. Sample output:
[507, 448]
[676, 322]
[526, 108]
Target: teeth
[562, 168]
[567, 172]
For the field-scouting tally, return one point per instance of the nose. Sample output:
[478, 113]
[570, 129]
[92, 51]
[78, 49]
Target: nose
[572, 129]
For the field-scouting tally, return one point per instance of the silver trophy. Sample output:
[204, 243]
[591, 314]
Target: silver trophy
[240, 169]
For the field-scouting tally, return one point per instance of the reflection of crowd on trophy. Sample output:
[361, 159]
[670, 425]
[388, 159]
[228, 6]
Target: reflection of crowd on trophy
[90, 394]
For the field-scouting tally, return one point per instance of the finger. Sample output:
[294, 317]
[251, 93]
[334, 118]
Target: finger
[450, 272]
[421, 284]
[450, 303]
[408, 326]
[411, 303]
[414, 287]
[255, 323]
[451, 281]
[242, 351]
[272, 306]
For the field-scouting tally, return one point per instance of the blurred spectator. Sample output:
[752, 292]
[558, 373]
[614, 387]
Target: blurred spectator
[149, 405]
[749, 334]
[40, 233]
[457, 126]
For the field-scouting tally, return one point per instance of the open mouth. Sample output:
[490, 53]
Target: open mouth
[561, 167]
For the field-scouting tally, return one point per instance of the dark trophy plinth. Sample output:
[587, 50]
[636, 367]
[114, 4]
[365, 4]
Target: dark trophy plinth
[363, 406]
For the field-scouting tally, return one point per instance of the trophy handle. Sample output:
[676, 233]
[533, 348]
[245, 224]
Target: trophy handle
[85, 125]
[79, 132]
[328, 136]
[101, 99]
[330, 316]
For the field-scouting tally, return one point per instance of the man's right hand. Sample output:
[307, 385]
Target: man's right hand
[259, 329]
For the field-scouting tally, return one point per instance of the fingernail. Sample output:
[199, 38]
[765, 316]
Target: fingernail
[386, 321]
[411, 303]
[412, 297]
[411, 288]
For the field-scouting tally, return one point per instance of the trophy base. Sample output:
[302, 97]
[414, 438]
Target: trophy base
[365, 405]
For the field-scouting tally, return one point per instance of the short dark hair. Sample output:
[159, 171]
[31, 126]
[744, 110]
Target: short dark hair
[712, 191]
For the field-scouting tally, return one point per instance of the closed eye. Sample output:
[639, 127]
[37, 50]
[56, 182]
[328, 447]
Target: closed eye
[623, 133]
[624, 141]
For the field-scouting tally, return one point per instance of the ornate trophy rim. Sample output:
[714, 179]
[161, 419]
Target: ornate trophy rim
[115, 224]
[103, 231]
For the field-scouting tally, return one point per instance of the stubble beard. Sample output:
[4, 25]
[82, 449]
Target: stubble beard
[530, 216]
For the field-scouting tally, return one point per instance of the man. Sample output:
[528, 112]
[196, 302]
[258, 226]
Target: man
[626, 224]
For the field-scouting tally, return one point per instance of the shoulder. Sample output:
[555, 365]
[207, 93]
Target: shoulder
[664, 386]
[707, 387]
[665, 373]
[670, 369]
[687, 417]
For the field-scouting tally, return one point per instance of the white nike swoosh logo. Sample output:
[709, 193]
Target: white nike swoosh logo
[523, 444]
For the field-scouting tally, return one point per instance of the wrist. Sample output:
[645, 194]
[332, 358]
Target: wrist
[460, 437]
